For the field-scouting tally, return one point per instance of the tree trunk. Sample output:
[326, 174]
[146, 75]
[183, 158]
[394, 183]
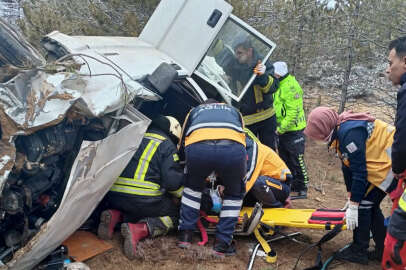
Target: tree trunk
[350, 56]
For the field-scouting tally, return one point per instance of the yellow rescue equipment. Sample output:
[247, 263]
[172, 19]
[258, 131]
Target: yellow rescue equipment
[262, 223]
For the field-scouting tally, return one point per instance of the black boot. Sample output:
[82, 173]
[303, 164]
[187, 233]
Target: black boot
[222, 249]
[353, 254]
[296, 195]
[375, 255]
[185, 239]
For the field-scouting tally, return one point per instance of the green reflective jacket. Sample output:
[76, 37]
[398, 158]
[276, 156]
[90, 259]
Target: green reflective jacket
[288, 105]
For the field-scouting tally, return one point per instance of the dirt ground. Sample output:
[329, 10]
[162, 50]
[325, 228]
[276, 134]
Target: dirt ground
[326, 190]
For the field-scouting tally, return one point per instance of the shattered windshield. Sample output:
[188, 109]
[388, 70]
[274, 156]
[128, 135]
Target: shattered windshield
[231, 58]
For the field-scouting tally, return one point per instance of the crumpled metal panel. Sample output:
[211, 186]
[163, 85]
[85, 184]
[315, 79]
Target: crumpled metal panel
[96, 167]
[35, 99]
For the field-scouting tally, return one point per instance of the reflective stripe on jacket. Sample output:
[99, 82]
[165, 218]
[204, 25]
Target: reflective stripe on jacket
[262, 161]
[402, 202]
[288, 105]
[153, 170]
[214, 121]
[257, 103]
[378, 151]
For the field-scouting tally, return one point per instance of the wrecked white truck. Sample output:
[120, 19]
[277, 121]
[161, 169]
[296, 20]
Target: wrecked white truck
[70, 124]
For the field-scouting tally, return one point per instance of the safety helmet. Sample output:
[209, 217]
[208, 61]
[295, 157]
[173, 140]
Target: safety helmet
[174, 126]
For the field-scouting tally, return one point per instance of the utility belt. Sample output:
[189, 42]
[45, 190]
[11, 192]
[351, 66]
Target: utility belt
[218, 142]
[259, 116]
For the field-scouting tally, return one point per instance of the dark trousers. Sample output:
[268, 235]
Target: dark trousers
[291, 150]
[135, 208]
[229, 162]
[265, 131]
[370, 219]
[270, 192]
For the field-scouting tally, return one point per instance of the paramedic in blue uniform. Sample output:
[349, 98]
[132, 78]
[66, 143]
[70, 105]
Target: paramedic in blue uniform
[363, 144]
[213, 140]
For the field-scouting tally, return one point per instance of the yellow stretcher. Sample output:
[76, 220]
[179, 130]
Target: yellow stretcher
[262, 223]
[297, 218]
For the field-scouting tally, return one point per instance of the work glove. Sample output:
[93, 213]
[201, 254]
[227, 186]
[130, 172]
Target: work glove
[394, 255]
[346, 205]
[351, 216]
[259, 68]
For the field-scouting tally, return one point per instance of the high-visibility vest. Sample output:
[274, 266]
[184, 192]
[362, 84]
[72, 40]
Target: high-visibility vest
[288, 104]
[378, 154]
[138, 185]
[402, 202]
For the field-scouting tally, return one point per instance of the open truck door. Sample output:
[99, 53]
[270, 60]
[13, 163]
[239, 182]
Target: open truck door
[201, 37]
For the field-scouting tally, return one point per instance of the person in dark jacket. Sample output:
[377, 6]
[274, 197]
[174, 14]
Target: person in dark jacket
[213, 140]
[396, 72]
[256, 106]
[142, 196]
[395, 248]
[363, 144]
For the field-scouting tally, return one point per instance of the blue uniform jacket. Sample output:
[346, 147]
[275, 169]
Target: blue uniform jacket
[352, 136]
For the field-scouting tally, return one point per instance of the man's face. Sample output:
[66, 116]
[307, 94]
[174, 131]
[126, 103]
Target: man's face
[244, 56]
[396, 67]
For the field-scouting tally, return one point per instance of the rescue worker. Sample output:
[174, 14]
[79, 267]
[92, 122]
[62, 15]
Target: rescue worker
[395, 248]
[363, 144]
[142, 196]
[213, 140]
[256, 106]
[268, 178]
[290, 117]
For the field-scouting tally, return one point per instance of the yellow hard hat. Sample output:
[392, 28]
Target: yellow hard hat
[174, 126]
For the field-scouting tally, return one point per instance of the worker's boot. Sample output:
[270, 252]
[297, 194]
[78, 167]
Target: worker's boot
[375, 254]
[108, 220]
[222, 249]
[133, 233]
[353, 254]
[298, 191]
[185, 238]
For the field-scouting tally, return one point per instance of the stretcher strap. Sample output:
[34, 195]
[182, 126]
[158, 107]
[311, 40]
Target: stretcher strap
[328, 217]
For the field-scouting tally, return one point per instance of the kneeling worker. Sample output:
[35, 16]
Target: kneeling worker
[142, 195]
[214, 141]
[268, 178]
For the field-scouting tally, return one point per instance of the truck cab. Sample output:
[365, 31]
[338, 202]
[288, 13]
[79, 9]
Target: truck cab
[196, 38]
